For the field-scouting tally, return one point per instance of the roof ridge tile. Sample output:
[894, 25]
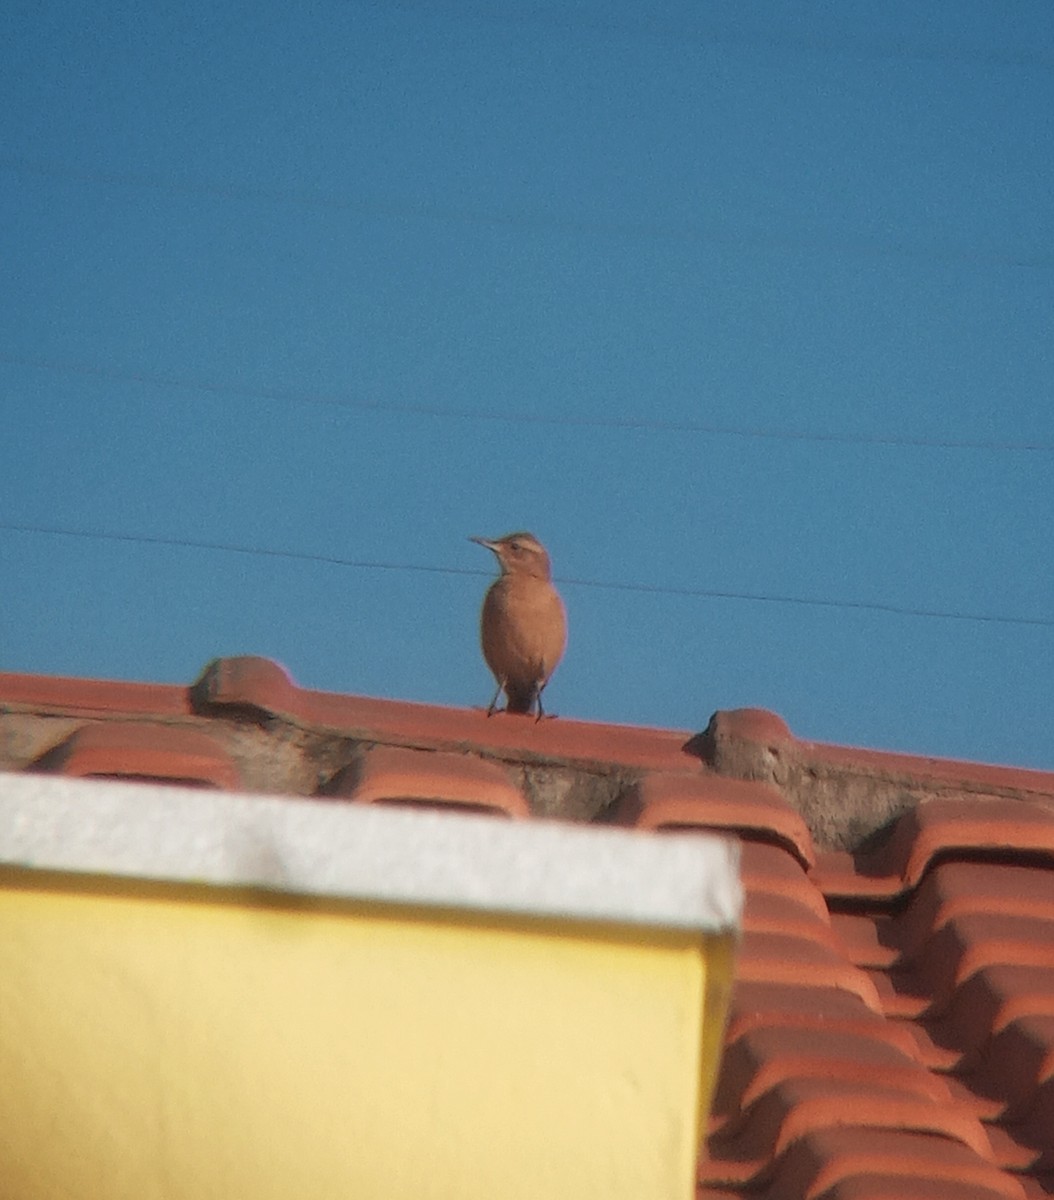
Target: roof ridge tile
[77, 696]
[252, 684]
[749, 742]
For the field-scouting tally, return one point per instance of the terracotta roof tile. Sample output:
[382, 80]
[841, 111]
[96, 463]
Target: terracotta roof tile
[770, 912]
[755, 736]
[800, 1006]
[891, 1032]
[772, 871]
[952, 890]
[970, 944]
[799, 1106]
[895, 1187]
[1015, 1063]
[989, 1002]
[768, 1055]
[424, 778]
[258, 685]
[1012, 1154]
[827, 1160]
[140, 750]
[939, 828]
[90, 697]
[865, 940]
[1035, 1127]
[668, 800]
[781, 958]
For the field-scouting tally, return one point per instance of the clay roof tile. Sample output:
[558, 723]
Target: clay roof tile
[423, 778]
[143, 750]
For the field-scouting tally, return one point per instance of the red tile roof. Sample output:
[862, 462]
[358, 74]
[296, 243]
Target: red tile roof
[892, 1029]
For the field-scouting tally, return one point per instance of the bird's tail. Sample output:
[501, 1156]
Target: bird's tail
[520, 698]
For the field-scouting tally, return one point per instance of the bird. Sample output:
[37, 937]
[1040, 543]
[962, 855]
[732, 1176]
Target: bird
[523, 625]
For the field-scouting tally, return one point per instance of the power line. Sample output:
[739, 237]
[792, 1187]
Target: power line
[606, 585]
[1040, 260]
[849, 45]
[626, 424]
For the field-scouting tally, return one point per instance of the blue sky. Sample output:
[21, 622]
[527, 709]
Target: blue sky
[753, 299]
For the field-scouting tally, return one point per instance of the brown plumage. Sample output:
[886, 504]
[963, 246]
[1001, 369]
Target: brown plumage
[523, 627]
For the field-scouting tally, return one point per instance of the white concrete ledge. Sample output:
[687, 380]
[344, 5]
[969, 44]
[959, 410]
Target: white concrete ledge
[366, 853]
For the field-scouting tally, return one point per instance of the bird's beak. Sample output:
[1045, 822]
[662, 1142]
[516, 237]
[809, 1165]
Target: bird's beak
[484, 542]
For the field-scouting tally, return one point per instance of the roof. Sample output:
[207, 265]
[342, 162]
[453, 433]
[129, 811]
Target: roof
[892, 1028]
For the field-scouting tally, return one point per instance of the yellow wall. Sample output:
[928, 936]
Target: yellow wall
[158, 1042]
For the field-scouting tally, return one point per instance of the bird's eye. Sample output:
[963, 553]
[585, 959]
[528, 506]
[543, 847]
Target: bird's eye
[517, 546]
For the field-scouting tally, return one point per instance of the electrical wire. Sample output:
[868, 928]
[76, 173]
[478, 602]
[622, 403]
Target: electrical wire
[711, 34]
[607, 585]
[541, 221]
[517, 417]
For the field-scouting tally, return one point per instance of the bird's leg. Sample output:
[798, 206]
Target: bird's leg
[492, 707]
[538, 699]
